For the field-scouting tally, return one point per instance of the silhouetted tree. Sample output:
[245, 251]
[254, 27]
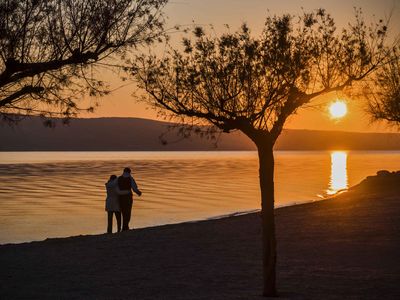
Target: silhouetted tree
[238, 82]
[384, 92]
[49, 48]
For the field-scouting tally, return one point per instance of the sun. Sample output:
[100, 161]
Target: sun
[338, 109]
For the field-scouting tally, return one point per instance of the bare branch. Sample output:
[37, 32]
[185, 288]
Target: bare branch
[57, 45]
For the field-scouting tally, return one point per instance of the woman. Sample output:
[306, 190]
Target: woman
[112, 203]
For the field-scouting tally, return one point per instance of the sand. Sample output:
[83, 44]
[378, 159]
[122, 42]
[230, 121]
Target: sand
[347, 247]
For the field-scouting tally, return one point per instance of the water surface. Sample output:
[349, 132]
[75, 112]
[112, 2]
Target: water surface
[56, 194]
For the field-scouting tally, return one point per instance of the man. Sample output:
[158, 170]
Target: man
[127, 183]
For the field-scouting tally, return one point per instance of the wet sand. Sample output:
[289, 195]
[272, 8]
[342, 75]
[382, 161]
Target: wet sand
[342, 248]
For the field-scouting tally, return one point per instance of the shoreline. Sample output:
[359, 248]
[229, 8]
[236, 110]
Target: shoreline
[217, 217]
[40, 214]
[346, 248]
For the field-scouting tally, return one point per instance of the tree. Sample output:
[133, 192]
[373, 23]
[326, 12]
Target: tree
[238, 82]
[49, 49]
[384, 92]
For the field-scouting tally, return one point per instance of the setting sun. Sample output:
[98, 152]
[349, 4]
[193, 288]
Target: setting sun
[338, 109]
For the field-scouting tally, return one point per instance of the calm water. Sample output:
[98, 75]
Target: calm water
[56, 194]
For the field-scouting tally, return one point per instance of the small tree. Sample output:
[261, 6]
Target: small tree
[49, 48]
[384, 92]
[237, 82]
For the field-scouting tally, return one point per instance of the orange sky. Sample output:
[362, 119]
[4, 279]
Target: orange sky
[234, 12]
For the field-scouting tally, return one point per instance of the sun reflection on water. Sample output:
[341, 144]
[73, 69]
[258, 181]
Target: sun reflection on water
[338, 180]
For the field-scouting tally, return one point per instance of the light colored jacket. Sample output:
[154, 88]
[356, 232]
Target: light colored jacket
[113, 192]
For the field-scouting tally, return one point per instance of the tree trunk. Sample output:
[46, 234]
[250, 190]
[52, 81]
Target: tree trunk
[266, 173]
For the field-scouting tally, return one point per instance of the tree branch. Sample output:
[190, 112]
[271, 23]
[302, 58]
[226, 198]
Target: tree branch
[28, 89]
[16, 71]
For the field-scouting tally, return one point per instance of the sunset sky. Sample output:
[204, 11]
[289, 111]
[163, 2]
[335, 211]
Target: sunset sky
[234, 12]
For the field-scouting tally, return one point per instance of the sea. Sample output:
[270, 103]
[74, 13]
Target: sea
[59, 194]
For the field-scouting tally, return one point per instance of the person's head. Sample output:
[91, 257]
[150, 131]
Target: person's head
[112, 177]
[127, 170]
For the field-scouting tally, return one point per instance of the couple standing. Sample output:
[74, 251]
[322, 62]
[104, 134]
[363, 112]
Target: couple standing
[119, 199]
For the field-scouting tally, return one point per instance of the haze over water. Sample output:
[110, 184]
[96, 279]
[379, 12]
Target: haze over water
[57, 194]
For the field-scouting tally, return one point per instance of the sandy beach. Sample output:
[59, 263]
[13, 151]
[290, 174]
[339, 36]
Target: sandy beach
[342, 248]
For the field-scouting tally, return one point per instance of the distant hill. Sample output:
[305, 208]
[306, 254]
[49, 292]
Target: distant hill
[134, 134]
[337, 140]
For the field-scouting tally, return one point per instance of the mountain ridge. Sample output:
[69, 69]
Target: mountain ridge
[139, 134]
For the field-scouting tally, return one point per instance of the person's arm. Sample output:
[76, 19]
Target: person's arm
[115, 186]
[135, 187]
[121, 192]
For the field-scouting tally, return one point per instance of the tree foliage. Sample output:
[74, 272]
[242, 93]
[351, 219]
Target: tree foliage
[254, 84]
[237, 79]
[49, 49]
[384, 92]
